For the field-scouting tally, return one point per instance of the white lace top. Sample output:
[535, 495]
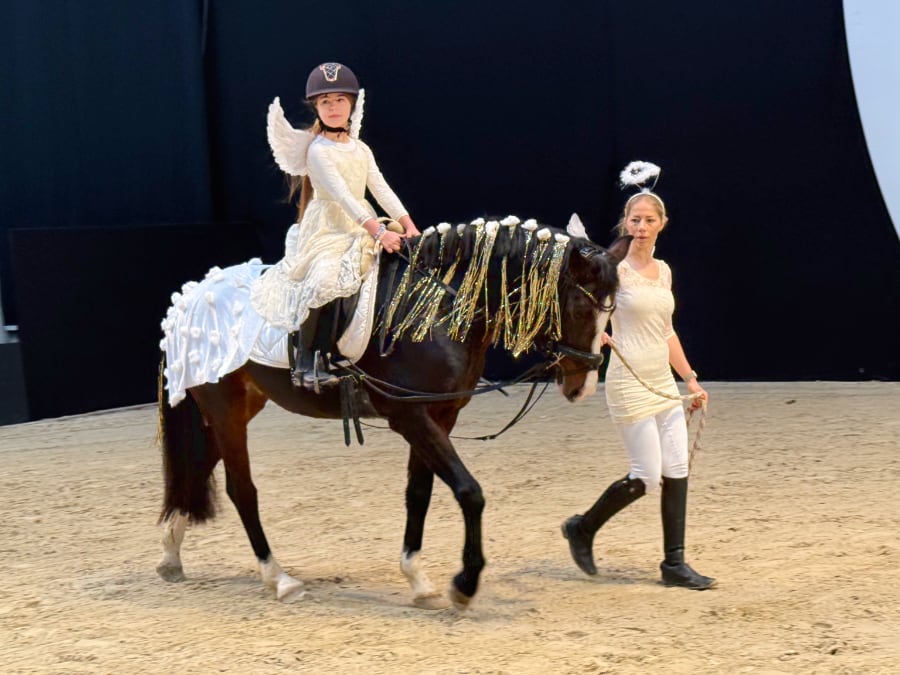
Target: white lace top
[641, 328]
[328, 254]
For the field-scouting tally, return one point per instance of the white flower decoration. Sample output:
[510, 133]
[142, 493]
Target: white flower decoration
[544, 234]
[510, 221]
[187, 287]
[255, 261]
[215, 365]
[561, 238]
[491, 227]
[162, 344]
[177, 367]
[460, 229]
[194, 356]
[427, 232]
[184, 331]
[209, 297]
[196, 332]
[176, 298]
[443, 228]
[214, 337]
[238, 308]
[477, 221]
[530, 225]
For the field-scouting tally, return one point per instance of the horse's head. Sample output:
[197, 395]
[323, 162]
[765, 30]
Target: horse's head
[587, 288]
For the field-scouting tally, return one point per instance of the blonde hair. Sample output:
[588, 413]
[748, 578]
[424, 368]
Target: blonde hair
[302, 184]
[658, 204]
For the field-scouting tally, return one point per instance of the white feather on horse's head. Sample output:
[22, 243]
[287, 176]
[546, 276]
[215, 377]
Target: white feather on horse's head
[576, 227]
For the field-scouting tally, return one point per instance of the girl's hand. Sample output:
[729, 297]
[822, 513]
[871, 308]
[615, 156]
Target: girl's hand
[391, 241]
[606, 339]
[694, 387]
[409, 227]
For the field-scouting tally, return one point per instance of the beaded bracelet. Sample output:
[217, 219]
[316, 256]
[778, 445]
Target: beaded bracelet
[380, 233]
[691, 376]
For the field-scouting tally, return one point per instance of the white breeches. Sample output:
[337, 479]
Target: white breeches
[657, 446]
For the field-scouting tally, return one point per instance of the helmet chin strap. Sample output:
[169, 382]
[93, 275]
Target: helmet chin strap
[334, 130]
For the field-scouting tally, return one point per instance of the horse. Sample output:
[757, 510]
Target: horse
[459, 291]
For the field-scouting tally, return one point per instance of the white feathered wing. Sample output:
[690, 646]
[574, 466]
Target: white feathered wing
[289, 145]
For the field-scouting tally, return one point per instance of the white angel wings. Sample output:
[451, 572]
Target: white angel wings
[289, 145]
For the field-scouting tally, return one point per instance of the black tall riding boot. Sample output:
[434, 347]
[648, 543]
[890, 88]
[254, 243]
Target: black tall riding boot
[580, 530]
[309, 369]
[676, 572]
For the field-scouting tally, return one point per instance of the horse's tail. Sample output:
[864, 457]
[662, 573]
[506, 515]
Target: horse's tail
[190, 484]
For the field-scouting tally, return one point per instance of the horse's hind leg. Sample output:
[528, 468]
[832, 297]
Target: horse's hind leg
[170, 568]
[418, 497]
[242, 492]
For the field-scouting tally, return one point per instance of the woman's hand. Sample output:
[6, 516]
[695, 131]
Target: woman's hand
[694, 387]
[606, 339]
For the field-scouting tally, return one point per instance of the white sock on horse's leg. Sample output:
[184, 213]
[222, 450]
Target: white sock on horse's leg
[169, 568]
[286, 587]
[425, 595]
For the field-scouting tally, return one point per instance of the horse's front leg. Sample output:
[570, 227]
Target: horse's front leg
[432, 447]
[420, 482]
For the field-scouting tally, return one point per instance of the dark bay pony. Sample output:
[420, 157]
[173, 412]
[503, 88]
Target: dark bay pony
[460, 290]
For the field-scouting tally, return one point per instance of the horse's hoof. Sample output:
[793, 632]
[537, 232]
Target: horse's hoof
[290, 591]
[431, 601]
[173, 573]
[459, 599]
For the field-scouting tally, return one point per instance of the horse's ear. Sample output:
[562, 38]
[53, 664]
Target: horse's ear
[619, 248]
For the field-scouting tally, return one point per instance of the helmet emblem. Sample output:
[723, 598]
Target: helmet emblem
[330, 70]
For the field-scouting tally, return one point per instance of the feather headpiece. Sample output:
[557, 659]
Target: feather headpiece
[576, 227]
[638, 174]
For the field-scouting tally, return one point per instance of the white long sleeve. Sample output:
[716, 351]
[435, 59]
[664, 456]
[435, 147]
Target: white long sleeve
[379, 188]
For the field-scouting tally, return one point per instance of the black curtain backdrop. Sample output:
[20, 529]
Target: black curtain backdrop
[122, 115]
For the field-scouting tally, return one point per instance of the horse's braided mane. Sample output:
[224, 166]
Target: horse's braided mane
[507, 274]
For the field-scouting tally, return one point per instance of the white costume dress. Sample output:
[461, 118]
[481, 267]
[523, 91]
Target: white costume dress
[641, 328]
[328, 254]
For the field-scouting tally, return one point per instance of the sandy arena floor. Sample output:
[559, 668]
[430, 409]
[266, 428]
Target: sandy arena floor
[794, 508]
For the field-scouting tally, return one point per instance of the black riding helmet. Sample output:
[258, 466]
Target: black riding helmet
[331, 78]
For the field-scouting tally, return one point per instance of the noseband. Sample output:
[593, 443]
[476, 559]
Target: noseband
[559, 350]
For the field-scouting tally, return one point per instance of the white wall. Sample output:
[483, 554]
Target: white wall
[874, 47]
